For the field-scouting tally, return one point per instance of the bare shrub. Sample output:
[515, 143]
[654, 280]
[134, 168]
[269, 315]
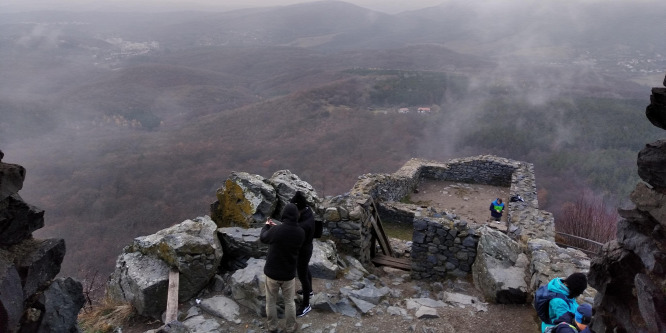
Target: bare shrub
[588, 217]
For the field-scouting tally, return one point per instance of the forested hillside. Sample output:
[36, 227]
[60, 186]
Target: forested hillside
[125, 129]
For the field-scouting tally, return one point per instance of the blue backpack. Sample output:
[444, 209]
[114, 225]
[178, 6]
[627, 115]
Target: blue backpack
[542, 299]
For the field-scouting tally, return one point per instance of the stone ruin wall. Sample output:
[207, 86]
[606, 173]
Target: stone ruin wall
[628, 274]
[441, 245]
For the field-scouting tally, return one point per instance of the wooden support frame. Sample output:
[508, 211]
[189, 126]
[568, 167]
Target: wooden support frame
[378, 229]
[172, 296]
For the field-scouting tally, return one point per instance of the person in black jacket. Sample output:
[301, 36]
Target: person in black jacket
[284, 241]
[307, 222]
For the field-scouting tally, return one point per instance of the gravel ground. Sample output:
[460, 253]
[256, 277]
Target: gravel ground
[452, 318]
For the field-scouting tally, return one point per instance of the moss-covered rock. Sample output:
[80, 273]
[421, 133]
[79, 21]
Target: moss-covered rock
[244, 201]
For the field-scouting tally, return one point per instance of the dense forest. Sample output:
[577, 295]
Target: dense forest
[121, 139]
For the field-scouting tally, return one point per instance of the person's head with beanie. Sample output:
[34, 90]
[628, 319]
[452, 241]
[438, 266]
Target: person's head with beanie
[583, 315]
[299, 200]
[576, 283]
[290, 214]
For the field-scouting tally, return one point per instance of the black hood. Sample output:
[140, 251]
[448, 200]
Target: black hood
[290, 214]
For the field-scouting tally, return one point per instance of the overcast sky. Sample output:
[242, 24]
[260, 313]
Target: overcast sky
[391, 6]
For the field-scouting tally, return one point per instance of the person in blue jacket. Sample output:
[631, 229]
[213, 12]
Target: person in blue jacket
[496, 209]
[574, 322]
[573, 286]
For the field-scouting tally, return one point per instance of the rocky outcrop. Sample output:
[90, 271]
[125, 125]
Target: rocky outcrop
[652, 164]
[141, 276]
[19, 220]
[656, 111]
[286, 184]
[30, 299]
[11, 179]
[631, 273]
[248, 200]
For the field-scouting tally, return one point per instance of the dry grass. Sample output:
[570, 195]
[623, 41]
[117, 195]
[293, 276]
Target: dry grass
[106, 316]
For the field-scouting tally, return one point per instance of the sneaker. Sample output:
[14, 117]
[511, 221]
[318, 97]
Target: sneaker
[302, 311]
[498, 222]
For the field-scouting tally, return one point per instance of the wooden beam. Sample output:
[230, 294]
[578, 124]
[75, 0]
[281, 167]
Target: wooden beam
[383, 242]
[379, 231]
[172, 296]
[401, 263]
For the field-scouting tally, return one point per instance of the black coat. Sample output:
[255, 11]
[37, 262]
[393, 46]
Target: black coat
[284, 242]
[307, 222]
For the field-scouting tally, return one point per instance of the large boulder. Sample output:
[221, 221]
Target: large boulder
[651, 162]
[11, 295]
[248, 286]
[38, 262]
[59, 307]
[500, 268]
[222, 307]
[11, 179]
[286, 184]
[142, 281]
[142, 271]
[245, 201]
[324, 261]
[18, 220]
[238, 245]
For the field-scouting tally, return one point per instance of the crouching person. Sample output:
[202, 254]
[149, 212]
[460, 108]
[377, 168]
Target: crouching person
[284, 242]
[573, 322]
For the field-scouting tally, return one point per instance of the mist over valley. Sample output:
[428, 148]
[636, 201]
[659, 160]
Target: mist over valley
[128, 122]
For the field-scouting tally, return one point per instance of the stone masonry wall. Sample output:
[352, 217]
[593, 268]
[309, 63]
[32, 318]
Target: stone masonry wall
[442, 247]
[352, 231]
[349, 224]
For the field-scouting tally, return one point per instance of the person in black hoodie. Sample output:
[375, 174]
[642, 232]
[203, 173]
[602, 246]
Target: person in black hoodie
[307, 222]
[284, 241]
